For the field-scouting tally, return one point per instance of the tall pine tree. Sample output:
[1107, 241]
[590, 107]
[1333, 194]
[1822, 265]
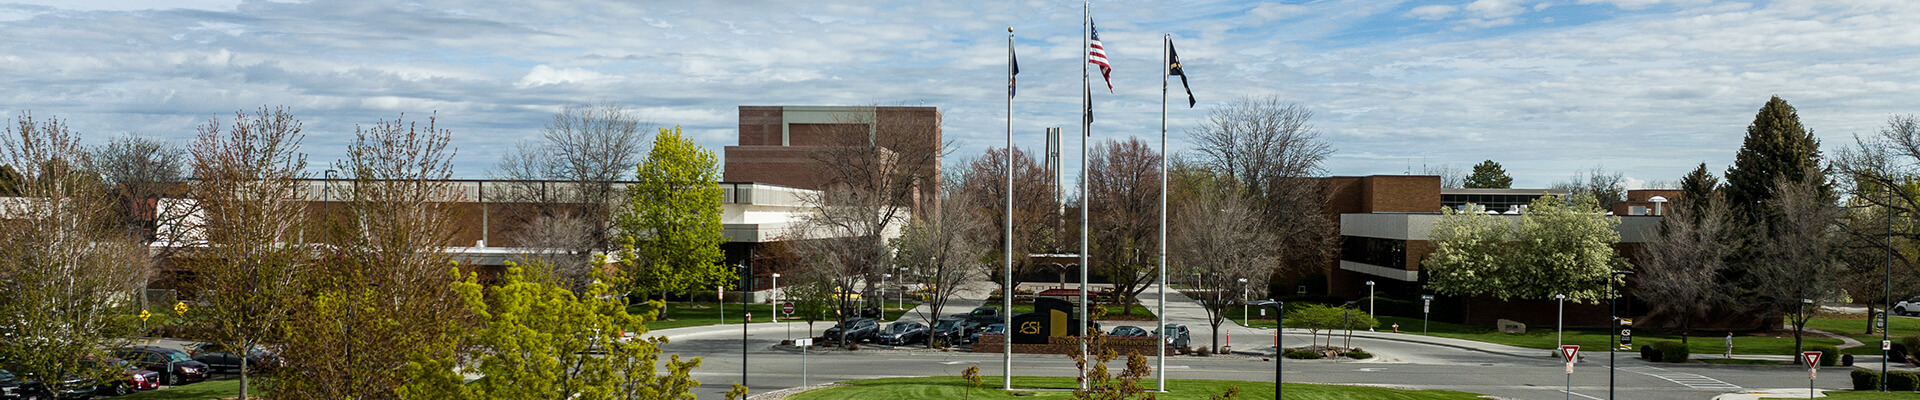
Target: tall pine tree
[1776, 147]
[1696, 188]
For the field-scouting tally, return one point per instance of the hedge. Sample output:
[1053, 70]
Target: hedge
[1673, 352]
[1865, 379]
[1903, 381]
[1829, 355]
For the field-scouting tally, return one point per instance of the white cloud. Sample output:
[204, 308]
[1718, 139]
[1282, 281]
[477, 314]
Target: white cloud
[1432, 12]
[542, 75]
[1495, 9]
[1278, 11]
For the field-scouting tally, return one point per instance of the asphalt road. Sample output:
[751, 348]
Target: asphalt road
[1399, 363]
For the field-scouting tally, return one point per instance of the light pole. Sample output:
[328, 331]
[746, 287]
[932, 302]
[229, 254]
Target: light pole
[1613, 338]
[1279, 332]
[1243, 304]
[746, 286]
[903, 290]
[1370, 309]
[1887, 291]
[1560, 328]
[883, 294]
[773, 297]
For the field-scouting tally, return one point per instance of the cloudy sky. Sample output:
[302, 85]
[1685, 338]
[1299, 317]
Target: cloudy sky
[1648, 88]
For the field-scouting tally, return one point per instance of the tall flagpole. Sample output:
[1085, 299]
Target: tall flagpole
[1086, 133]
[1160, 307]
[1006, 291]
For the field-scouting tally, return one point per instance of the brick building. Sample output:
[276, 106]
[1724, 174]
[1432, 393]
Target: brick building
[788, 145]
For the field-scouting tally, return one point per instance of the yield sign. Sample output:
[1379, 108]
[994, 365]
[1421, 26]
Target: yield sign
[1569, 351]
[1812, 358]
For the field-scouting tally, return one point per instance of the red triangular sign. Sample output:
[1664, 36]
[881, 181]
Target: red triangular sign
[1812, 357]
[1570, 351]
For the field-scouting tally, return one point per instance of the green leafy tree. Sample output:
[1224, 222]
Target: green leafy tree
[538, 340]
[1319, 317]
[1559, 246]
[672, 231]
[1488, 175]
[1776, 147]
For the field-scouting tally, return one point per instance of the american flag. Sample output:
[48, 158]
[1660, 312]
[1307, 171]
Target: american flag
[1097, 55]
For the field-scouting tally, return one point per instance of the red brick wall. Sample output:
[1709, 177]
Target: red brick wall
[760, 125]
[785, 166]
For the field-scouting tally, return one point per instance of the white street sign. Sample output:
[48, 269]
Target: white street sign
[803, 342]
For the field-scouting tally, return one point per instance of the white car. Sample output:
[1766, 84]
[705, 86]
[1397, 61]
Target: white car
[1907, 307]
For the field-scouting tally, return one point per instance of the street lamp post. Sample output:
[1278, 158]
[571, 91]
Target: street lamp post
[773, 297]
[1370, 309]
[1560, 328]
[1613, 338]
[903, 291]
[883, 295]
[746, 286]
[1243, 304]
[1279, 332]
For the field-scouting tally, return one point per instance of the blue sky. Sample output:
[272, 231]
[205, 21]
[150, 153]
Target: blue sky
[1648, 88]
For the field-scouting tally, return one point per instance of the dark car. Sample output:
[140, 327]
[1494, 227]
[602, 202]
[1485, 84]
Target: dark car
[14, 388]
[174, 366]
[1129, 330]
[903, 332]
[131, 377]
[953, 330]
[220, 357]
[995, 329]
[75, 387]
[855, 329]
[1177, 335]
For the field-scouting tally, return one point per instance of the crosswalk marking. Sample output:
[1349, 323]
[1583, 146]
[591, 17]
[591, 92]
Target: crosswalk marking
[1695, 381]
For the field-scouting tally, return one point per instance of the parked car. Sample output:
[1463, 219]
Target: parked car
[1907, 307]
[219, 357]
[855, 329]
[1129, 330]
[15, 388]
[984, 316]
[1177, 335]
[903, 332]
[953, 330]
[995, 329]
[75, 387]
[174, 366]
[132, 377]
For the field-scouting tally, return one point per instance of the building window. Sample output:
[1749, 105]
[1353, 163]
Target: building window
[1390, 253]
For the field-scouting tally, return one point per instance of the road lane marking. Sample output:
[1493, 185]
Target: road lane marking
[1695, 381]
[1578, 394]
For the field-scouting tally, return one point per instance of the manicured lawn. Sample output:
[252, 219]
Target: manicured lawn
[199, 391]
[1140, 312]
[1597, 339]
[953, 387]
[1737, 361]
[683, 314]
[1865, 395]
[1855, 326]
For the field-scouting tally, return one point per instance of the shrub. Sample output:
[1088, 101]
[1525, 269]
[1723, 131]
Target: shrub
[1903, 381]
[1673, 352]
[1303, 355]
[1358, 355]
[1829, 355]
[1865, 379]
[1202, 351]
[1647, 352]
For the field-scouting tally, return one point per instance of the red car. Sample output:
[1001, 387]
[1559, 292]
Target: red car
[136, 378]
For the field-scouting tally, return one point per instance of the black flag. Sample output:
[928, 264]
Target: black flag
[1173, 68]
[1013, 65]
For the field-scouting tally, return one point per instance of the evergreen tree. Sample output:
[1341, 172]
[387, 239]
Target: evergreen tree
[1776, 147]
[1488, 175]
[1696, 187]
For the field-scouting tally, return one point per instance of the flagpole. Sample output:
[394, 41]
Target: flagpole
[1006, 292]
[1086, 134]
[1160, 307]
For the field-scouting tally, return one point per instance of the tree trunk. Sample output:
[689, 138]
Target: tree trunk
[243, 373]
[1686, 328]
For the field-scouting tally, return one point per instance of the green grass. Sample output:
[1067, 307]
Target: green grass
[1866, 395]
[1855, 326]
[683, 314]
[198, 391]
[1597, 339]
[1738, 361]
[1140, 312]
[953, 387]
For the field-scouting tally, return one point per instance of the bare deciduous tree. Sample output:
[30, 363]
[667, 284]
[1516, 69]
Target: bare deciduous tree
[941, 248]
[1882, 228]
[1604, 187]
[562, 190]
[1679, 267]
[1450, 177]
[1036, 212]
[1799, 270]
[875, 173]
[1124, 185]
[384, 297]
[246, 272]
[1270, 149]
[1217, 235]
[68, 274]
